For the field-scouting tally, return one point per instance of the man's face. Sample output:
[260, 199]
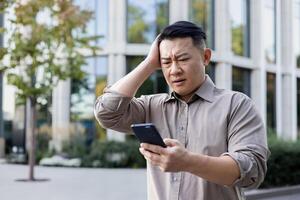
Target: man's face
[183, 65]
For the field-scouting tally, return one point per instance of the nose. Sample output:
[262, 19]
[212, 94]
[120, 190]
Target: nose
[175, 68]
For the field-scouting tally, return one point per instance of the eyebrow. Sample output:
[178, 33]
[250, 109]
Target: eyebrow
[176, 56]
[181, 55]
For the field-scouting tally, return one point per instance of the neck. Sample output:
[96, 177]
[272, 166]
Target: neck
[188, 97]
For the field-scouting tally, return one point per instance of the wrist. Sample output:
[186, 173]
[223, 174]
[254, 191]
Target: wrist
[195, 162]
[152, 63]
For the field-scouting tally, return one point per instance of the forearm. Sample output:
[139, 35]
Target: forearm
[221, 170]
[130, 83]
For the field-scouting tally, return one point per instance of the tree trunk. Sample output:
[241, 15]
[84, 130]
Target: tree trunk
[31, 127]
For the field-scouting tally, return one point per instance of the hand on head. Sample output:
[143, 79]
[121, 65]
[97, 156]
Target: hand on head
[153, 57]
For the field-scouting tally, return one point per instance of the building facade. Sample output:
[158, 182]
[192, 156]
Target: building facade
[255, 43]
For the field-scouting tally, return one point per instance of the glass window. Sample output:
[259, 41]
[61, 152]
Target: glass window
[240, 27]
[145, 19]
[99, 24]
[241, 80]
[154, 84]
[210, 70]
[271, 101]
[298, 106]
[201, 12]
[84, 93]
[270, 31]
[1, 25]
[1, 82]
[296, 27]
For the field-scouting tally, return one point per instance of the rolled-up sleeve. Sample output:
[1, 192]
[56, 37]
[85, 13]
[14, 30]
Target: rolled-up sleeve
[116, 111]
[247, 142]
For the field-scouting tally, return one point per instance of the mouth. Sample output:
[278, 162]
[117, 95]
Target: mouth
[178, 81]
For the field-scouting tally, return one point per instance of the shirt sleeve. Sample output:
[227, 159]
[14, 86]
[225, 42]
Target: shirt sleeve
[116, 111]
[247, 143]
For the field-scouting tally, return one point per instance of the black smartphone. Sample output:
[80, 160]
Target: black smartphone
[147, 133]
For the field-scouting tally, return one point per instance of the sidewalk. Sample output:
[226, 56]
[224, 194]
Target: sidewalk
[282, 193]
[72, 184]
[96, 184]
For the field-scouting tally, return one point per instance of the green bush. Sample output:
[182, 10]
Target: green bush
[42, 149]
[113, 154]
[283, 164]
[109, 154]
[76, 146]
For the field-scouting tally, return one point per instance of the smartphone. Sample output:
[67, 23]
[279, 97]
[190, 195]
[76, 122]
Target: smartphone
[147, 133]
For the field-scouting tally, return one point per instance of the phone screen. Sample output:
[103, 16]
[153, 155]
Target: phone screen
[147, 133]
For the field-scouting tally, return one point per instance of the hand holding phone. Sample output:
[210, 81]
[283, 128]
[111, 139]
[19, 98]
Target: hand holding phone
[147, 133]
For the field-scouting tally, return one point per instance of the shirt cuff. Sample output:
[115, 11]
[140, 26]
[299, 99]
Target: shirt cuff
[114, 101]
[248, 169]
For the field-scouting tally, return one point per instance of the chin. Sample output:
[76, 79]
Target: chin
[181, 93]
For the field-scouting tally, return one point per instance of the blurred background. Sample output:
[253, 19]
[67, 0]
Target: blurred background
[256, 50]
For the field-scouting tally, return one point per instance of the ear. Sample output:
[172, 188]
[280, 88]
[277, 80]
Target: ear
[207, 56]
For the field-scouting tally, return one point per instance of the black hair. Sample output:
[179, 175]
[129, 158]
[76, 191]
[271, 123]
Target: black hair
[183, 29]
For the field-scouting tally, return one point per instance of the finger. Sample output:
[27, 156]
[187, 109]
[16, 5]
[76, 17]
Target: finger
[152, 157]
[157, 37]
[171, 142]
[153, 148]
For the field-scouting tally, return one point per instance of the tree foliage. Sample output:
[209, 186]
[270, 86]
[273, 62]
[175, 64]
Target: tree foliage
[238, 40]
[137, 25]
[47, 42]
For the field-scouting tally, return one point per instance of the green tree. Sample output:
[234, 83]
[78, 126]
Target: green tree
[136, 25]
[238, 40]
[199, 13]
[162, 16]
[47, 42]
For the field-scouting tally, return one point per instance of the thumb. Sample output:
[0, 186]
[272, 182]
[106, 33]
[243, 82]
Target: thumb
[171, 142]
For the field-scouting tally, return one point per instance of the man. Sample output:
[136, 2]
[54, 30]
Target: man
[216, 140]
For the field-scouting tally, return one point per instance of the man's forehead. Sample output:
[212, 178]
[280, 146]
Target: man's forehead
[176, 47]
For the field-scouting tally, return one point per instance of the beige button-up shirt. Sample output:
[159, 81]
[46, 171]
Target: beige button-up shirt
[215, 122]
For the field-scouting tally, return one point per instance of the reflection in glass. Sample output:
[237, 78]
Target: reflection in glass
[296, 29]
[145, 19]
[201, 12]
[210, 70]
[298, 106]
[154, 84]
[240, 27]
[270, 31]
[99, 24]
[84, 93]
[271, 101]
[241, 80]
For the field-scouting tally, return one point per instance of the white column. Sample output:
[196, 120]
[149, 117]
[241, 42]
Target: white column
[289, 119]
[224, 76]
[179, 10]
[223, 44]
[117, 43]
[117, 69]
[279, 97]
[222, 29]
[258, 76]
[60, 114]
[287, 65]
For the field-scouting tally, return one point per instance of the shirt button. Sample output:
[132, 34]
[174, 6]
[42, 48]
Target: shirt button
[174, 179]
[182, 128]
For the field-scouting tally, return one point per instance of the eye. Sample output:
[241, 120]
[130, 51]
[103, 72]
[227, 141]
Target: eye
[165, 62]
[183, 59]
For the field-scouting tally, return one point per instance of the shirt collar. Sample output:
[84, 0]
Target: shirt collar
[205, 91]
